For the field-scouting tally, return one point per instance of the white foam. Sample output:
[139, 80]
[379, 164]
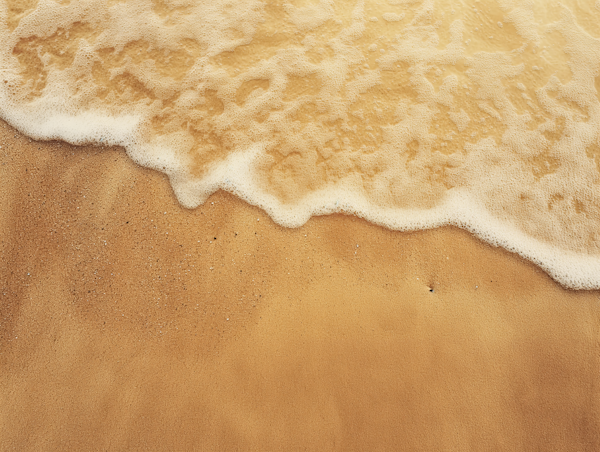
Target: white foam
[393, 17]
[295, 111]
[310, 17]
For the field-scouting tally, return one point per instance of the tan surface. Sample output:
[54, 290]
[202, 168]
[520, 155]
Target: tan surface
[123, 327]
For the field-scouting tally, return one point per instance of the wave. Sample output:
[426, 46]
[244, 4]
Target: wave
[412, 114]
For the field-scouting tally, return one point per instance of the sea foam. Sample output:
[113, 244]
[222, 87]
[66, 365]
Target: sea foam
[412, 114]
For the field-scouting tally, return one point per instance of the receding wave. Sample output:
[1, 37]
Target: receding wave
[409, 113]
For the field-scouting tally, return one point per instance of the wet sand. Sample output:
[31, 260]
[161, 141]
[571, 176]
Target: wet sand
[130, 323]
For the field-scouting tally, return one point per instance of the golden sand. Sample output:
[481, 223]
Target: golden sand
[130, 323]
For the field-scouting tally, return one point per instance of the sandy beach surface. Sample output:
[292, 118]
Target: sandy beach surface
[130, 323]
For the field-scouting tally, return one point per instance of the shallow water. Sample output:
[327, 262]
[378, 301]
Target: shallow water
[409, 113]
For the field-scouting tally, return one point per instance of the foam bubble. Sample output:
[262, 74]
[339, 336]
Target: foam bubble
[393, 17]
[313, 107]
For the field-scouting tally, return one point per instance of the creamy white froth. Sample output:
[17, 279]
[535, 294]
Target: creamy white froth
[410, 113]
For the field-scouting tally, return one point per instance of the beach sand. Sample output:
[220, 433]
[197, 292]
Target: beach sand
[130, 323]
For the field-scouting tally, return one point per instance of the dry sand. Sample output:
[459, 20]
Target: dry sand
[130, 323]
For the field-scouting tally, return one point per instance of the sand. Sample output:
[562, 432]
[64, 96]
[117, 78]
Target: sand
[130, 323]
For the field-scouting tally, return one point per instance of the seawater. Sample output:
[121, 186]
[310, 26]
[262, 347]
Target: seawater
[410, 113]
